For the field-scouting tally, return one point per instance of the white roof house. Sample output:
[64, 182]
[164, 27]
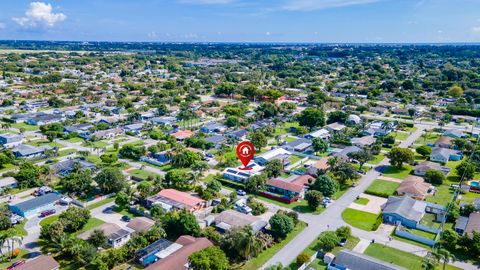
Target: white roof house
[277, 153]
[321, 133]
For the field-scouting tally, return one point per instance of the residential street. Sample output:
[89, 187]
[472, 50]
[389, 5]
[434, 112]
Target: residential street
[331, 218]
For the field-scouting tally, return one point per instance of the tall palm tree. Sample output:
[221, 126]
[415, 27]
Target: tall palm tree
[444, 255]
[194, 177]
[12, 240]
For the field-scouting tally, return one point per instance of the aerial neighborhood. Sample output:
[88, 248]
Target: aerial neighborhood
[118, 157]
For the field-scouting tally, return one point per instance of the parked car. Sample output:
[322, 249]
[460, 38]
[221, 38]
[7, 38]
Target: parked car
[47, 213]
[126, 218]
[343, 241]
[241, 192]
[15, 264]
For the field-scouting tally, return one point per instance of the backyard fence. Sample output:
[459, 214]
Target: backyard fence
[96, 200]
[402, 232]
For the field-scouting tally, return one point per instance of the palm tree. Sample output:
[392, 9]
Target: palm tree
[251, 245]
[443, 255]
[12, 240]
[194, 177]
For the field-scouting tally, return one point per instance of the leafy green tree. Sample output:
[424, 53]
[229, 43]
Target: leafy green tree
[281, 225]
[122, 199]
[327, 241]
[326, 185]
[241, 244]
[343, 232]
[311, 117]
[466, 169]
[256, 183]
[74, 218]
[144, 189]
[337, 116]
[177, 179]
[77, 182]
[258, 139]
[314, 198]
[232, 121]
[97, 239]
[185, 158]
[110, 180]
[435, 177]
[320, 145]
[273, 168]
[424, 150]
[211, 258]
[132, 152]
[157, 211]
[398, 156]
[28, 175]
[361, 156]
[303, 258]
[177, 223]
[455, 91]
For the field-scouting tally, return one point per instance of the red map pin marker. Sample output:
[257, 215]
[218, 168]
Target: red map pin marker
[245, 152]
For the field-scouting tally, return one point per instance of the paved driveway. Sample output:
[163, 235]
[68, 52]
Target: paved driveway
[103, 213]
[373, 206]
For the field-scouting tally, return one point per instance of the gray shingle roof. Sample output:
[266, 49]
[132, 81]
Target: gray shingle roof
[406, 207]
[38, 202]
[353, 260]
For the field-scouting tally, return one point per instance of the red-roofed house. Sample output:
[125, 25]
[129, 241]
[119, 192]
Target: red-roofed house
[170, 199]
[182, 134]
[289, 191]
[178, 260]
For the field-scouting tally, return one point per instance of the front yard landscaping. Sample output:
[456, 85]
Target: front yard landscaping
[362, 201]
[400, 173]
[382, 188]
[360, 219]
[142, 174]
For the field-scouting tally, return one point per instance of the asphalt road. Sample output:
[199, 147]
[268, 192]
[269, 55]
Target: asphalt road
[331, 218]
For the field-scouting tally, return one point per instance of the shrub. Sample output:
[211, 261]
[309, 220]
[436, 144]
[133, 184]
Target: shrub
[302, 258]
[377, 222]
[343, 232]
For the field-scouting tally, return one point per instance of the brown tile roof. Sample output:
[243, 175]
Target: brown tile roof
[178, 259]
[285, 185]
[180, 197]
[322, 164]
[414, 185]
[444, 140]
[473, 223]
[40, 263]
[303, 180]
[140, 224]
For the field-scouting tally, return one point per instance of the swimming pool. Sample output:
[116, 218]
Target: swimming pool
[474, 183]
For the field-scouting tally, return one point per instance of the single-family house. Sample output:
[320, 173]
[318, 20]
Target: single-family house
[354, 119]
[32, 207]
[29, 151]
[181, 135]
[135, 128]
[40, 263]
[335, 127]
[454, 133]
[141, 224]
[175, 256]
[444, 142]
[286, 189]
[9, 140]
[404, 210]
[415, 187]
[320, 133]
[158, 250]
[347, 259]
[239, 134]
[216, 140]
[345, 151]
[425, 166]
[116, 236]
[300, 145]
[8, 182]
[63, 168]
[43, 119]
[378, 110]
[277, 153]
[443, 155]
[213, 127]
[170, 199]
[239, 175]
[379, 128]
[364, 141]
[230, 219]
[159, 159]
[473, 224]
[164, 120]
[80, 129]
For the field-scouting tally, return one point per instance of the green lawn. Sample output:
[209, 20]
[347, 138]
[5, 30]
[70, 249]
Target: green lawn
[100, 203]
[24, 126]
[377, 159]
[391, 171]
[48, 220]
[97, 144]
[142, 173]
[362, 201]
[75, 140]
[20, 230]
[383, 188]
[402, 136]
[398, 257]
[290, 139]
[299, 206]
[7, 167]
[359, 219]
[94, 159]
[66, 152]
[443, 195]
[262, 258]
[294, 158]
[427, 138]
[92, 223]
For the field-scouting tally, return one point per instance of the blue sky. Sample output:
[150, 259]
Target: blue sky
[243, 20]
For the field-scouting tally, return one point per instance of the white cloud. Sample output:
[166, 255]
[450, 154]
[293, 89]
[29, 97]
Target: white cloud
[2, 26]
[307, 5]
[268, 33]
[152, 34]
[476, 29]
[206, 2]
[40, 14]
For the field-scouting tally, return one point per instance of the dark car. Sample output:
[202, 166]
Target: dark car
[47, 213]
[343, 241]
[126, 218]
[15, 264]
